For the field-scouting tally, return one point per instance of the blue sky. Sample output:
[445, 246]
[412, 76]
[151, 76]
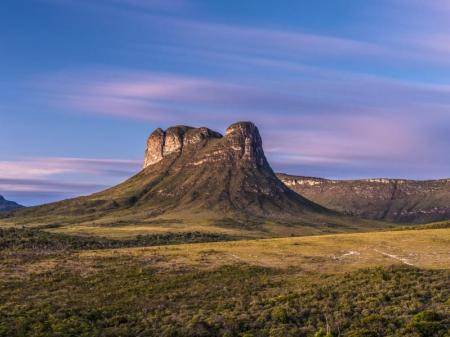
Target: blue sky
[339, 89]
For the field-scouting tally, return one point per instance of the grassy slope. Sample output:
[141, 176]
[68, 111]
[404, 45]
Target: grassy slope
[356, 284]
[209, 223]
[123, 225]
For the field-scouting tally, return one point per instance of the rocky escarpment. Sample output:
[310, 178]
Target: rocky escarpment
[241, 144]
[388, 199]
[161, 144]
[6, 205]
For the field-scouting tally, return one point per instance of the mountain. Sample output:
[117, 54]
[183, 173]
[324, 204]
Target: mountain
[6, 205]
[196, 175]
[396, 200]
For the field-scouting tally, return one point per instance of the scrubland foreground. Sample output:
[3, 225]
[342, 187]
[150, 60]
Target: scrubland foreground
[392, 283]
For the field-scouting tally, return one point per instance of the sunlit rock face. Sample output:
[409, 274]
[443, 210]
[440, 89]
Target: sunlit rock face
[161, 144]
[155, 144]
[244, 139]
[241, 144]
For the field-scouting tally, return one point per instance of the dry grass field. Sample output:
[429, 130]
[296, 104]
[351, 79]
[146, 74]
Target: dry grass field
[389, 283]
[319, 254]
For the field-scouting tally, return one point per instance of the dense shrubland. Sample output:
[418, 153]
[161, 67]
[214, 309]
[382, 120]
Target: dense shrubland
[38, 239]
[126, 299]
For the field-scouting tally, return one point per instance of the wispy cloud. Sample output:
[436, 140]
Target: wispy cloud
[31, 168]
[35, 180]
[424, 19]
[162, 97]
[47, 186]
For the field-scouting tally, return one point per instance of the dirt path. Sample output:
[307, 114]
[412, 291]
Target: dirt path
[395, 257]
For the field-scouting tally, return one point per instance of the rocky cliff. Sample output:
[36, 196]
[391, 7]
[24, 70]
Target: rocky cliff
[241, 144]
[388, 199]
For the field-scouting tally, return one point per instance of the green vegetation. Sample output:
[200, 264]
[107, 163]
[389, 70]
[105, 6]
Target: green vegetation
[332, 285]
[33, 238]
[432, 225]
[127, 299]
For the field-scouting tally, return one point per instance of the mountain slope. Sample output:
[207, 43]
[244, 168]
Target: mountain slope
[387, 199]
[197, 174]
[197, 169]
[6, 205]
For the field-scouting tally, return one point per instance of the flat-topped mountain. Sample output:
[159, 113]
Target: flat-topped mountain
[197, 175]
[6, 205]
[195, 168]
[387, 199]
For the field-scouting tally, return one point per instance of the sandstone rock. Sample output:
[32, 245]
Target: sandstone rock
[242, 143]
[244, 138]
[164, 143]
[155, 145]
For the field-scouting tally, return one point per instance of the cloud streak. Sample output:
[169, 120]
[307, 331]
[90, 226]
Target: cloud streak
[35, 180]
[162, 97]
[32, 168]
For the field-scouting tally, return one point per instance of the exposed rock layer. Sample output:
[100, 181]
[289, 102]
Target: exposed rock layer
[388, 199]
[241, 142]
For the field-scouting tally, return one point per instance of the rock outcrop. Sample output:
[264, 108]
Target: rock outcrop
[241, 143]
[161, 144]
[398, 200]
[6, 205]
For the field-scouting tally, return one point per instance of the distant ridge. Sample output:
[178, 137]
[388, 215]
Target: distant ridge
[400, 200]
[6, 205]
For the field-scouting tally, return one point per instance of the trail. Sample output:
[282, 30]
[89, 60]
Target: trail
[349, 253]
[395, 257]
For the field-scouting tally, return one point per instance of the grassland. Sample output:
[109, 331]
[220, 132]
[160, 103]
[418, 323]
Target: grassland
[129, 224]
[391, 283]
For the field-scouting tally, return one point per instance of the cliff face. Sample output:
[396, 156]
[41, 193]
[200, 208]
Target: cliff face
[388, 199]
[241, 144]
[161, 144]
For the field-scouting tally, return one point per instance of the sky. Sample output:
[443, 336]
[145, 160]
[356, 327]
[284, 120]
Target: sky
[339, 89]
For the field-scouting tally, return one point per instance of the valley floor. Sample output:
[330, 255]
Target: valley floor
[391, 283]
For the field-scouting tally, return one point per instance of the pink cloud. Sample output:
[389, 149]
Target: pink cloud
[36, 168]
[167, 98]
[53, 178]
[350, 141]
